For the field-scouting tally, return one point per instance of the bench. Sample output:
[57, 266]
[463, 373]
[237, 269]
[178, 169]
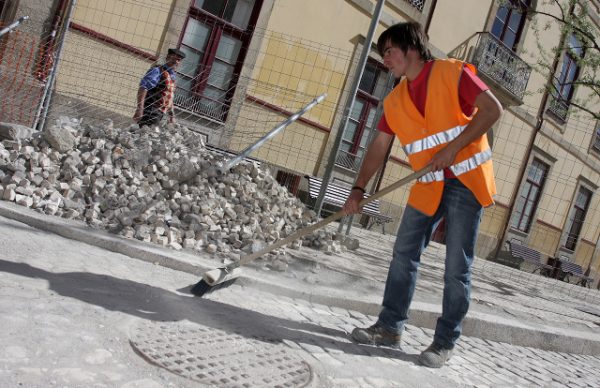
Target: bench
[336, 196]
[574, 270]
[529, 255]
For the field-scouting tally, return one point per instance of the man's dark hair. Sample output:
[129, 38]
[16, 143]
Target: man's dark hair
[406, 36]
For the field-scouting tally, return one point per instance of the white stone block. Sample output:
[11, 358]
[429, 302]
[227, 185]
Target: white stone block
[9, 194]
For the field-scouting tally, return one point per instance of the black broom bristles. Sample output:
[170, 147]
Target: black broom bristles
[202, 288]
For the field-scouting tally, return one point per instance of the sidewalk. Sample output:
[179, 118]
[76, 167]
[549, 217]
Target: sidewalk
[83, 316]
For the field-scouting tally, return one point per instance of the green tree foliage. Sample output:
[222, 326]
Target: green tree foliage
[572, 18]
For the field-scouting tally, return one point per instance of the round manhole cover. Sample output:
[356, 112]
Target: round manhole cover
[215, 357]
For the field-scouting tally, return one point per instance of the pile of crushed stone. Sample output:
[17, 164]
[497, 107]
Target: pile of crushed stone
[160, 185]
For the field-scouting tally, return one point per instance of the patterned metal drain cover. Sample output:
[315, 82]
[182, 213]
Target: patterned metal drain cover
[218, 358]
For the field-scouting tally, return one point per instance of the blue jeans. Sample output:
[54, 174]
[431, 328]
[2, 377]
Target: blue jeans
[463, 214]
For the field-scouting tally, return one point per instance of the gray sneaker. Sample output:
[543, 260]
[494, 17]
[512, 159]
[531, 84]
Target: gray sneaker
[376, 335]
[435, 356]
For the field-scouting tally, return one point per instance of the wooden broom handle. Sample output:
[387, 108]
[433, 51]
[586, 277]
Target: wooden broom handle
[335, 216]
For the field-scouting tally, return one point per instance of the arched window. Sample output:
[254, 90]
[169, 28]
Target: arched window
[509, 22]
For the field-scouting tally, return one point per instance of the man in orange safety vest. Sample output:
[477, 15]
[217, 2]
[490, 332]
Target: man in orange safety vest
[440, 111]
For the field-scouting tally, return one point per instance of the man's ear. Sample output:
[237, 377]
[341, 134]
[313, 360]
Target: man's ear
[410, 52]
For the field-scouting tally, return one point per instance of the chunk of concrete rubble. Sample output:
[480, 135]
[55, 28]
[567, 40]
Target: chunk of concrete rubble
[351, 243]
[13, 131]
[60, 138]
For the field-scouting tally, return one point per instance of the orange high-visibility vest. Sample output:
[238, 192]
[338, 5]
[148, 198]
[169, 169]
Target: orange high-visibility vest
[422, 137]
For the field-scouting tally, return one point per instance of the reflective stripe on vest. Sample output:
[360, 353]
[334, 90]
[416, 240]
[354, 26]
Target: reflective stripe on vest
[434, 140]
[472, 163]
[459, 168]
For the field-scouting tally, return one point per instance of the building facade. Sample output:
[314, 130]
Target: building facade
[252, 63]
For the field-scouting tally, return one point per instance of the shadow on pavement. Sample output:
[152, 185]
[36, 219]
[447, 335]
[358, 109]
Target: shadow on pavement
[157, 304]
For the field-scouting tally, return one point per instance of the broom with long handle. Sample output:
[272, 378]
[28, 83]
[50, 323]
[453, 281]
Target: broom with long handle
[225, 276]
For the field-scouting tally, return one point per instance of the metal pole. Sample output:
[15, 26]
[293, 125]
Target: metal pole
[272, 133]
[349, 105]
[44, 94]
[40, 119]
[12, 26]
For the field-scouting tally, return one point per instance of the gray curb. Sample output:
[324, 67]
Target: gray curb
[354, 297]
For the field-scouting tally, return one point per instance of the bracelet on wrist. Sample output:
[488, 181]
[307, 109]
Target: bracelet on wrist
[358, 188]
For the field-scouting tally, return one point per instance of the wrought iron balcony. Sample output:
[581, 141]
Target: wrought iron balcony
[558, 106]
[193, 103]
[418, 4]
[497, 63]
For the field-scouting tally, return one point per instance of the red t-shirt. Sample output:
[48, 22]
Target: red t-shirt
[469, 87]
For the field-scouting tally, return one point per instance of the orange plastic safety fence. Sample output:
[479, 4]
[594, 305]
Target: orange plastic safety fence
[20, 91]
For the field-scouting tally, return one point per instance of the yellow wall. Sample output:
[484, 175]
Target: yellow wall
[307, 52]
[289, 70]
[395, 171]
[299, 19]
[591, 230]
[303, 65]
[561, 187]
[296, 148]
[511, 139]
[544, 239]
[454, 22]
[139, 24]
[101, 75]
[584, 254]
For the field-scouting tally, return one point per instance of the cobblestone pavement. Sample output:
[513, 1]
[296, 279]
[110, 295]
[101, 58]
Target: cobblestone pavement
[477, 363]
[71, 311]
[496, 289]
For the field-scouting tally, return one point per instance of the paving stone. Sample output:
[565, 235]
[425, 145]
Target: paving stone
[341, 382]
[328, 359]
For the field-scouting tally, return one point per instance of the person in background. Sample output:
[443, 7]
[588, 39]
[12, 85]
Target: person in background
[157, 90]
[440, 112]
